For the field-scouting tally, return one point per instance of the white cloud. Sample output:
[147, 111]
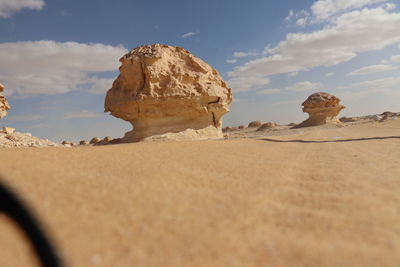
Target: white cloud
[347, 36]
[238, 100]
[395, 59]
[387, 83]
[329, 74]
[303, 18]
[242, 84]
[297, 87]
[25, 117]
[290, 15]
[10, 7]
[372, 69]
[39, 125]
[390, 6]
[84, 114]
[100, 85]
[371, 89]
[244, 54]
[189, 34]
[304, 86]
[324, 9]
[271, 91]
[49, 67]
[293, 74]
[301, 22]
[231, 61]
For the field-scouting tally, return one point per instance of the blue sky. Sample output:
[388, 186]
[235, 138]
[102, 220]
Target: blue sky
[59, 57]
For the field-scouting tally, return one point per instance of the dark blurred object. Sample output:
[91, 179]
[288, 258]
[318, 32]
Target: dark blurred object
[14, 208]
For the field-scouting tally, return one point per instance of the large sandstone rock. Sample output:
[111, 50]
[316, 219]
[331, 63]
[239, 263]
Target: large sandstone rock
[4, 106]
[322, 108]
[167, 92]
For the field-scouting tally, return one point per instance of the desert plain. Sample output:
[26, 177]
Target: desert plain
[319, 196]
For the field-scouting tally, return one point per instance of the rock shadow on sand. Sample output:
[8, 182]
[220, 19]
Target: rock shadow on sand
[331, 141]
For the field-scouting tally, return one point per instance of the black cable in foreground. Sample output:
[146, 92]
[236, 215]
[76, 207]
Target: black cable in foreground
[14, 208]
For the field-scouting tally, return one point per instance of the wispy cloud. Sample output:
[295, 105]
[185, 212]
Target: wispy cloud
[10, 7]
[83, 114]
[290, 15]
[304, 86]
[395, 59]
[372, 69]
[388, 83]
[37, 126]
[231, 61]
[100, 85]
[297, 87]
[244, 54]
[25, 117]
[189, 34]
[329, 74]
[271, 91]
[242, 84]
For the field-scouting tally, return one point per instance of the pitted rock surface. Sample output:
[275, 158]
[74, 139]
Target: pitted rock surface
[322, 108]
[165, 90]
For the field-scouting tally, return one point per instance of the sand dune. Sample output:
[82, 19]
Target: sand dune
[331, 201]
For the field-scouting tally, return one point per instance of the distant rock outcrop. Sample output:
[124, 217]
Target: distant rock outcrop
[322, 108]
[226, 129]
[166, 92]
[94, 140]
[386, 115]
[4, 106]
[254, 124]
[268, 125]
[11, 138]
[348, 119]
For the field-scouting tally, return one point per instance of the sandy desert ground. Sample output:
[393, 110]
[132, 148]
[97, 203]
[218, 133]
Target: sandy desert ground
[325, 196]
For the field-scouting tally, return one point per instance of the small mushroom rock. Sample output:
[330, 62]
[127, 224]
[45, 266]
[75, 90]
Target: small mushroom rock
[386, 115]
[94, 140]
[322, 108]
[106, 140]
[83, 143]
[227, 129]
[67, 143]
[4, 106]
[164, 91]
[241, 127]
[8, 130]
[268, 125]
[255, 124]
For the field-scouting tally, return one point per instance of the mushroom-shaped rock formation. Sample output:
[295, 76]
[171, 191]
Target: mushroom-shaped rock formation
[322, 108]
[166, 92]
[268, 125]
[4, 106]
[254, 124]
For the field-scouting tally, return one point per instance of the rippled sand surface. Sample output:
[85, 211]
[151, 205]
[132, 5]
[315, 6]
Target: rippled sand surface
[319, 197]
